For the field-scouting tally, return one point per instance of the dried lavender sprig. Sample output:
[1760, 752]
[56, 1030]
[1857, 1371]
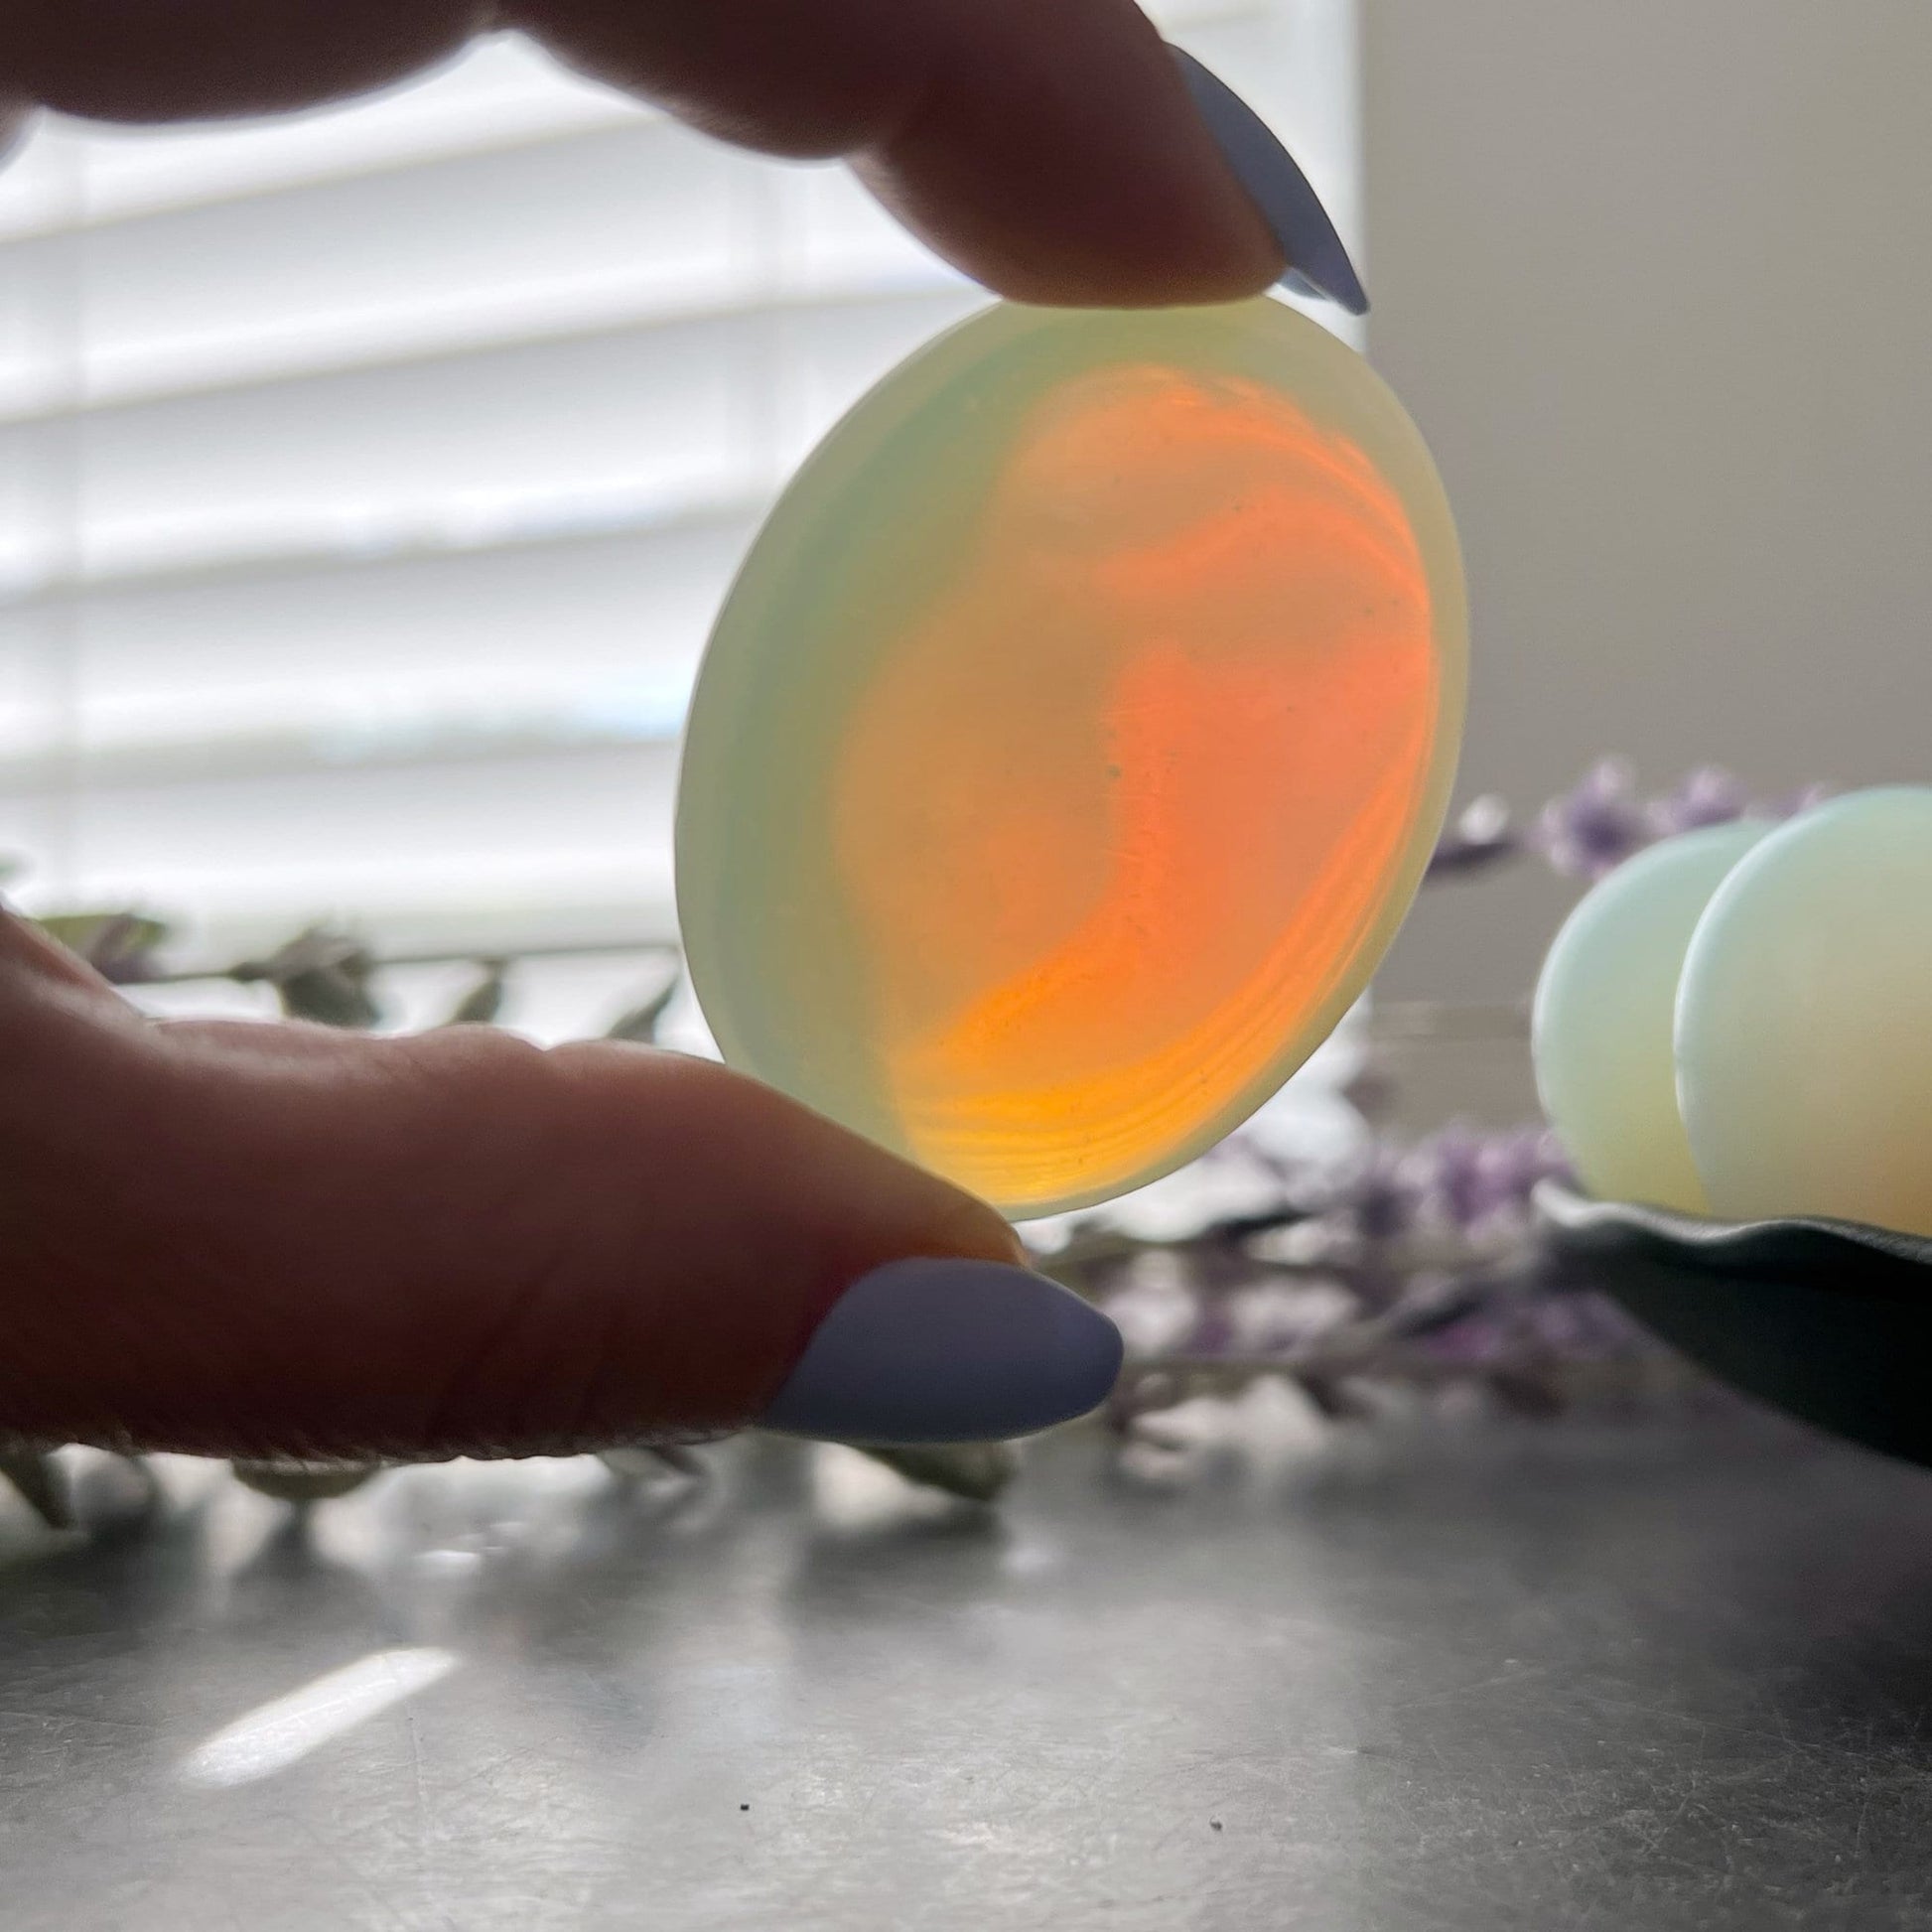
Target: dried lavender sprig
[1710, 795]
[1594, 827]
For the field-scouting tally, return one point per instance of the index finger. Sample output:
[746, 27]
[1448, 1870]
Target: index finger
[1047, 148]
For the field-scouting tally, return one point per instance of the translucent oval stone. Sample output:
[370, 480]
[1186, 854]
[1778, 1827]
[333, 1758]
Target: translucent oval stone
[1600, 1033]
[1804, 1021]
[1072, 742]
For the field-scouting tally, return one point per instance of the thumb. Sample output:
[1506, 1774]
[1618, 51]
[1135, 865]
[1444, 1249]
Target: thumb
[279, 1240]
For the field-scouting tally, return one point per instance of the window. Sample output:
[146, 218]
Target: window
[367, 482]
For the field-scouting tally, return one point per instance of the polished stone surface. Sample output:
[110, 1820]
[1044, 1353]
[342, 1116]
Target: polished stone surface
[1072, 742]
[1804, 1020]
[1616, 1676]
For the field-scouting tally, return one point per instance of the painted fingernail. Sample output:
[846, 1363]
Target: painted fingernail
[1317, 263]
[948, 1351]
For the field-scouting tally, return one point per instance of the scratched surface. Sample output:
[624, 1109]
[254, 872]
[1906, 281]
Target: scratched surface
[1607, 1677]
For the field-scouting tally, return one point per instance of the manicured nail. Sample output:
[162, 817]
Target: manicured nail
[948, 1351]
[1317, 263]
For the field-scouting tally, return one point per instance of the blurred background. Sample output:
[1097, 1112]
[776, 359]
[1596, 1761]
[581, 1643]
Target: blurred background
[367, 481]
[1654, 279]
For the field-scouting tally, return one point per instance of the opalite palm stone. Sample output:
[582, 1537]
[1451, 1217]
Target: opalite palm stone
[1073, 741]
[1602, 1024]
[1804, 1020]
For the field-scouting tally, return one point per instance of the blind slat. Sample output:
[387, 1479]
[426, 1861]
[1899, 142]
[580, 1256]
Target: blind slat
[611, 228]
[596, 635]
[634, 419]
[547, 838]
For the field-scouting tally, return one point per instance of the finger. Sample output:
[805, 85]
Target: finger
[1051, 151]
[248, 1240]
[198, 59]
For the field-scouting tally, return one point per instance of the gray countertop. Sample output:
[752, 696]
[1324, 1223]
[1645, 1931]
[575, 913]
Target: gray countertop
[1599, 1676]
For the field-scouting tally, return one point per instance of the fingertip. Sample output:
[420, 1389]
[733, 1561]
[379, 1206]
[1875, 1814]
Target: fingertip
[734, 1220]
[948, 1351]
[1052, 152]
[1058, 156]
[1316, 262]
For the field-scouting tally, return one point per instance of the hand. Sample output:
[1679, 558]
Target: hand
[1047, 147]
[243, 1240]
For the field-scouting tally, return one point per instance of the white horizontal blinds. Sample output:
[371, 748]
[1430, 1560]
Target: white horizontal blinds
[489, 846]
[542, 628]
[368, 481]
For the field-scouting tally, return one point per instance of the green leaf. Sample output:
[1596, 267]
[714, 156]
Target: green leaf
[42, 1482]
[119, 945]
[641, 1022]
[976, 1471]
[484, 1001]
[318, 975]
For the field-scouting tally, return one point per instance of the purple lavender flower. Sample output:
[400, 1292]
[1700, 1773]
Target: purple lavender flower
[1579, 1328]
[1386, 1199]
[1457, 1181]
[1591, 830]
[1709, 796]
[1479, 1337]
[1273, 1318]
[1477, 1183]
[1789, 804]
[1213, 1332]
[1520, 1158]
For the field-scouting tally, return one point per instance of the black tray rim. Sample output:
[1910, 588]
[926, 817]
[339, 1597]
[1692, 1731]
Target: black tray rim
[1849, 1257]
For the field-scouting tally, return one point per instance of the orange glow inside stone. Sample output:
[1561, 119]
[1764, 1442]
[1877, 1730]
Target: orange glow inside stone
[1073, 741]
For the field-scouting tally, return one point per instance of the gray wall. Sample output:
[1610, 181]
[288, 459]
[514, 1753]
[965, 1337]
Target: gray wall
[1655, 276]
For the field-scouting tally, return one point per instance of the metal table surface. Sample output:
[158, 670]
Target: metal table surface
[1599, 1676]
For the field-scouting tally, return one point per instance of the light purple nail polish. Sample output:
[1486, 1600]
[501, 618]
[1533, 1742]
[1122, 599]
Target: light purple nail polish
[1317, 263]
[948, 1351]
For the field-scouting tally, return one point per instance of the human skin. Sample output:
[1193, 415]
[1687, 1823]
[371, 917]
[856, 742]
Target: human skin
[237, 1239]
